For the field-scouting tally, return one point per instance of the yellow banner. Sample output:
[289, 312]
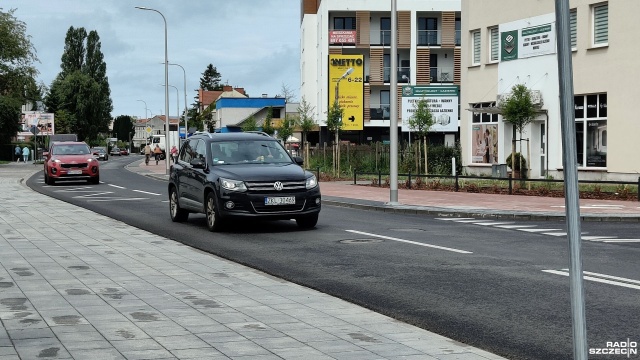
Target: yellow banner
[350, 90]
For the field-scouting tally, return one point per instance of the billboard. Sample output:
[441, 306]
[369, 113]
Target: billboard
[36, 119]
[528, 42]
[442, 101]
[351, 89]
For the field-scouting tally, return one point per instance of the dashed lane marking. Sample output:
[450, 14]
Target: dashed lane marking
[601, 278]
[146, 192]
[410, 242]
[116, 186]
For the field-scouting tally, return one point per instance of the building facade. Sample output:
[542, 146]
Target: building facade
[340, 34]
[507, 45]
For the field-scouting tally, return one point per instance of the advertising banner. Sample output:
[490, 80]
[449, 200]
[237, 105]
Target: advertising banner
[442, 101]
[484, 145]
[342, 37]
[39, 120]
[528, 42]
[350, 89]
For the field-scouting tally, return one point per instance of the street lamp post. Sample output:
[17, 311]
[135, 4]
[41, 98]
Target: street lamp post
[186, 125]
[145, 115]
[393, 108]
[337, 101]
[177, 103]
[166, 88]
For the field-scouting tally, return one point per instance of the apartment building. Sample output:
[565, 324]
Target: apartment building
[508, 43]
[338, 35]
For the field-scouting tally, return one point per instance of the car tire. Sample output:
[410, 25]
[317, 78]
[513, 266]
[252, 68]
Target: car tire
[177, 214]
[214, 222]
[307, 222]
[50, 181]
[95, 180]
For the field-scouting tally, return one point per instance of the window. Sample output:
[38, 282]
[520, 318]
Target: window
[344, 23]
[601, 24]
[591, 129]
[385, 31]
[494, 35]
[276, 113]
[573, 27]
[475, 36]
[484, 135]
[458, 27]
[428, 31]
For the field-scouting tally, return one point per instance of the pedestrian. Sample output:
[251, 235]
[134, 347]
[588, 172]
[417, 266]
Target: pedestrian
[147, 154]
[18, 153]
[174, 154]
[157, 152]
[25, 153]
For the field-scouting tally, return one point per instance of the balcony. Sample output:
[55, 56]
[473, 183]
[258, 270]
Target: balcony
[429, 38]
[385, 37]
[380, 112]
[401, 71]
[457, 38]
[441, 75]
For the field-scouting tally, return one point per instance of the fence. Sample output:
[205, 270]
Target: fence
[495, 185]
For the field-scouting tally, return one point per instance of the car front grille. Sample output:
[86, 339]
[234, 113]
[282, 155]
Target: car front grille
[268, 186]
[69, 166]
[261, 208]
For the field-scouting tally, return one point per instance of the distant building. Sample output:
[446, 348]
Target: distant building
[154, 126]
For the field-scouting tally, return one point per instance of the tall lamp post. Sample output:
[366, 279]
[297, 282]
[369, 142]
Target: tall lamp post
[177, 103]
[337, 100]
[166, 88]
[186, 125]
[146, 110]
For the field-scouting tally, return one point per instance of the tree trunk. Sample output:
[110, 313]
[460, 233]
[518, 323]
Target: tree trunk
[426, 169]
[513, 151]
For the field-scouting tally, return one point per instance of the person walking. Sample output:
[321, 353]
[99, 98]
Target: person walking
[174, 154]
[157, 152]
[25, 153]
[18, 153]
[147, 154]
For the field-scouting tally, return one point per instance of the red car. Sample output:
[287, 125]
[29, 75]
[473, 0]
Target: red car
[70, 160]
[124, 152]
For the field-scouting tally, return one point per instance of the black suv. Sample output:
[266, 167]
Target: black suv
[241, 175]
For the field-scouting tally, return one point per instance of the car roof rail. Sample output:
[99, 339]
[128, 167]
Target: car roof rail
[203, 133]
[258, 132]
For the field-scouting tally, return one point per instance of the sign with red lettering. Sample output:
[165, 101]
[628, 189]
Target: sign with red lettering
[342, 37]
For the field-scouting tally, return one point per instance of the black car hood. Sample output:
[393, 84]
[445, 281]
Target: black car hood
[260, 172]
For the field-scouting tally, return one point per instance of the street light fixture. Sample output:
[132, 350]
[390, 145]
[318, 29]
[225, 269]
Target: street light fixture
[166, 82]
[186, 125]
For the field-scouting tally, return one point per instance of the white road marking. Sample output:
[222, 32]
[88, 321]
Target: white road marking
[410, 242]
[620, 240]
[495, 223]
[538, 230]
[117, 199]
[146, 192]
[515, 226]
[116, 186]
[605, 281]
[556, 234]
[473, 221]
[591, 238]
[454, 219]
[90, 195]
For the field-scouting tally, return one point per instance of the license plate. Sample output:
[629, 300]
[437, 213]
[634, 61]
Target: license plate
[285, 200]
[74, 172]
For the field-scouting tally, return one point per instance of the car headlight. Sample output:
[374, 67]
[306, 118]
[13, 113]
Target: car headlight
[56, 160]
[232, 185]
[91, 159]
[311, 182]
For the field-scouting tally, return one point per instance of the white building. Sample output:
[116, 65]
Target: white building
[357, 34]
[506, 44]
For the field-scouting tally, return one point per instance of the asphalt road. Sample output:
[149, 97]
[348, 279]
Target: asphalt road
[496, 285]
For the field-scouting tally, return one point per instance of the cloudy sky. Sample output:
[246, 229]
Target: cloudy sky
[254, 44]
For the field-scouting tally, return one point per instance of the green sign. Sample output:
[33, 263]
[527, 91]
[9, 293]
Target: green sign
[509, 45]
[430, 90]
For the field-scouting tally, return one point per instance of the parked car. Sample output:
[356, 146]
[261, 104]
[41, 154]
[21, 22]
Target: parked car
[241, 176]
[115, 151]
[70, 160]
[100, 153]
[124, 151]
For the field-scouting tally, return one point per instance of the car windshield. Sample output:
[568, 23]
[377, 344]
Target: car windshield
[249, 151]
[74, 149]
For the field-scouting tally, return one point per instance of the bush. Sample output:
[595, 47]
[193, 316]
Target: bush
[520, 161]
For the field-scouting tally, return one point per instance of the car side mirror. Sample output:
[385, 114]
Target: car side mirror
[298, 160]
[197, 163]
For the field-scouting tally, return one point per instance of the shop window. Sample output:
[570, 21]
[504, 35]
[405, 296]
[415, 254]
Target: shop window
[484, 135]
[591, 130]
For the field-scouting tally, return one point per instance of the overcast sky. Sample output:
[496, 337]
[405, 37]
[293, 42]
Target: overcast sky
[254, 44]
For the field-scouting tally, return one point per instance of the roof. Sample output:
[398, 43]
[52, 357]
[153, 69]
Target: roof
[234, 136]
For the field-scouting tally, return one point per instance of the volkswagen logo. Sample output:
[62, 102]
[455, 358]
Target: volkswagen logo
[278, 186]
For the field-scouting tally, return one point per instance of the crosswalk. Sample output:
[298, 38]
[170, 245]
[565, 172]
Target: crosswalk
[512, 225]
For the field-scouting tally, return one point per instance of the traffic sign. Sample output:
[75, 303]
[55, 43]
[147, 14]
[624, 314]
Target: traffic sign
[148, 129]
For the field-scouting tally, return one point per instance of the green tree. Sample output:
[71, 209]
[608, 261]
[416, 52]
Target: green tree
[82, 87]
[286, 128]
[267, 126]
[123, 127]
[250, 124]
[288, 94]
[334, 124]
[518, 110]
[17, 73]
[210, 79]
[306, 122]
[65, 122]
[420, 122]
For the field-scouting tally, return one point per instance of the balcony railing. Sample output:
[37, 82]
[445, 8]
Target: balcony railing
[385, 37]
[458, 37]
[441, 74]
[386, 73]
[429, 37]
[380, 112]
